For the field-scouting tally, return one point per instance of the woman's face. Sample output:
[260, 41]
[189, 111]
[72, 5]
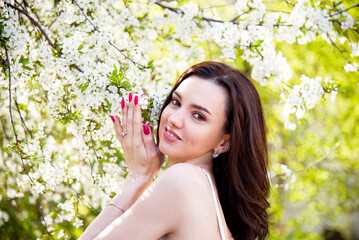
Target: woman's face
[192, 123]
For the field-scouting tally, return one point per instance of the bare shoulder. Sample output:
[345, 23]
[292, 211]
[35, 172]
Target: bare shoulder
[186, 181]
[184, 175]
[189, 193]
[177, 204]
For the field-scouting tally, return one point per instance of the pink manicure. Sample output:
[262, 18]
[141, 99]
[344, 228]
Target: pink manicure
[146, 129]
[130, 97]
[123, 103]
[112, 118]
[136, 100]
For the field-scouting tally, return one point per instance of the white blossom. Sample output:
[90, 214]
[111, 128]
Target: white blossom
[355, 49]
[349, 21]
[78, 223]
[4, 217]
[60, 234]
[351, 67]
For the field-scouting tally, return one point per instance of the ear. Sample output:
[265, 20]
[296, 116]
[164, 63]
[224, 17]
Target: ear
[224, 145]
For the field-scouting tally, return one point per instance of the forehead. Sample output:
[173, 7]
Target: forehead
[203, 92]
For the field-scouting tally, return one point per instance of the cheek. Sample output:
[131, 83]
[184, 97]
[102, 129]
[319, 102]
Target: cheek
[164, 117]
[206, 136]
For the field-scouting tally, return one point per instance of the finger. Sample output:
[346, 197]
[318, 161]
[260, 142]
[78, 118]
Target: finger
[129, 121]
[124, 114]
[118, 128]
[148, 140]
[137, 120]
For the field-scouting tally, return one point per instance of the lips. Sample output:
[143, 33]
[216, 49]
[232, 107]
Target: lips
[171, 135]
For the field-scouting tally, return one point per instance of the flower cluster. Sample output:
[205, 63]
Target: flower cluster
[67, 65]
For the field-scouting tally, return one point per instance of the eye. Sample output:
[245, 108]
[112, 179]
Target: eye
[199, 116]
[175, 102]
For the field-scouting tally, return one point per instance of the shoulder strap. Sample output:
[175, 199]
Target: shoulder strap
[220, 222]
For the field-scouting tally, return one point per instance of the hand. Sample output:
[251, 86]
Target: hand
[142, 156]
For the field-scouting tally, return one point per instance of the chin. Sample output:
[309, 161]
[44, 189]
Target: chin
[166, 151]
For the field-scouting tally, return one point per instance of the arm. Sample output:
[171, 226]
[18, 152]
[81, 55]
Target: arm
[143, 160]
[130, 192]
[162, 208]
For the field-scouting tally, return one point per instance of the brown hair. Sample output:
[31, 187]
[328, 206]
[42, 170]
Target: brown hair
[241, 173]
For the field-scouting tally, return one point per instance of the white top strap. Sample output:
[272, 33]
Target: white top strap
[220, 222]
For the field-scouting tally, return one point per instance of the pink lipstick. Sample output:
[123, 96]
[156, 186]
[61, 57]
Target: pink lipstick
[170, 135]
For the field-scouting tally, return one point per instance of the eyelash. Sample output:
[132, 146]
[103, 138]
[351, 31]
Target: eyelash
[175, 102]
[200, 117]
[197, 116]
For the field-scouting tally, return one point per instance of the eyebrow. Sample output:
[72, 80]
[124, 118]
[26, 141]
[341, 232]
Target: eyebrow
[194, 105]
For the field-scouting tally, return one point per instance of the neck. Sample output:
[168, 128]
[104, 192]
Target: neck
[206, 163]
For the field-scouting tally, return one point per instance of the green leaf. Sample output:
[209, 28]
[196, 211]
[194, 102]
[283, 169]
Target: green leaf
[113, 78]
[258, 43]
[150, 63]
[121, 75]
[83, 87]
[24, 60]
[81, 46]
[39, 63]
[22, 107]
[27, 68]
[145, 116]
[114, 72]
[65, 121]
[126, 85]
[312, 3]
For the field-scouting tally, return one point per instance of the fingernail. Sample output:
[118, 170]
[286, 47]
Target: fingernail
[136, 100]
[146, 129]
[123, 103]
[130, 97]
[112, 118]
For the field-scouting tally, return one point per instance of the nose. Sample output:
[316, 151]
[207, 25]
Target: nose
[176, 119]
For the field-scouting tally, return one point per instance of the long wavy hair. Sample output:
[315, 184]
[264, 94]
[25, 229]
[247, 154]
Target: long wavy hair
[240, 173]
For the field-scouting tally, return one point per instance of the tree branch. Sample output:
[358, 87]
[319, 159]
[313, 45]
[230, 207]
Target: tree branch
[125, 56]
[12, 120]
[21, 118]
[320, 160]
[289, 3]
[76, 67]
[233, 20]
[26, 5]
[33, 21]
[313, 163]
[176, 10]
[277, 10]
[4, 129]
[90, 162]
[93, 147]
[219, 21]
[344, 10]
[341, 52]
[43, 219]
[97, 30]
[78, 196]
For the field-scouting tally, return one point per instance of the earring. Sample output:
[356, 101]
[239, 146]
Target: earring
[215, 154]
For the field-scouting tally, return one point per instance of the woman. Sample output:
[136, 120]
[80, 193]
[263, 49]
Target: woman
[212, 129]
